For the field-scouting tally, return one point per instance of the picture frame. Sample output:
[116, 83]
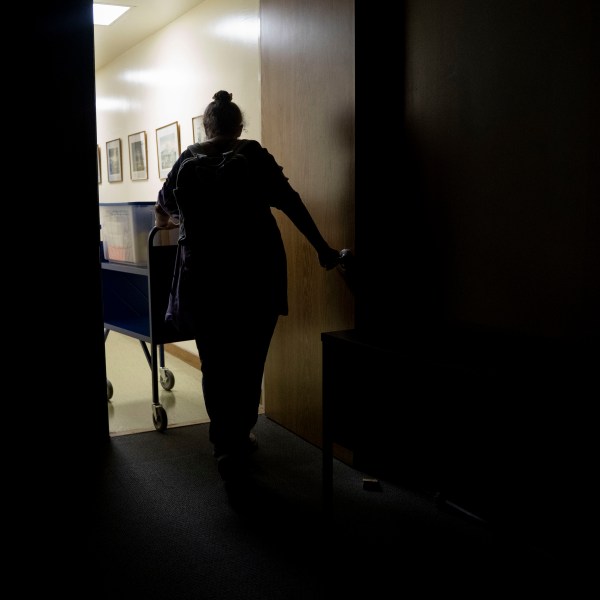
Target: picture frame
[138, 156]
[114, 162]
[198, 129]
[98, 163]
[167, 148]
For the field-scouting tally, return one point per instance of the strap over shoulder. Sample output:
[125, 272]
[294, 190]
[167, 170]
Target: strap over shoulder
[210, 149]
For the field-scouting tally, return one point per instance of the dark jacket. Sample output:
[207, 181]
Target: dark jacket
[232, 257]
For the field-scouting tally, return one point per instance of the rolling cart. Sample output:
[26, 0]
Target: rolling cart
[135, 299]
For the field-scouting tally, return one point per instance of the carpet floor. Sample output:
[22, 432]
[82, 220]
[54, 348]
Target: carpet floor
[162, 524]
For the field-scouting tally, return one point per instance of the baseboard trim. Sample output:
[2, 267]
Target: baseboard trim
[185, 355]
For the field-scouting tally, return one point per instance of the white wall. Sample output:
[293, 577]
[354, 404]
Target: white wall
[172, 76]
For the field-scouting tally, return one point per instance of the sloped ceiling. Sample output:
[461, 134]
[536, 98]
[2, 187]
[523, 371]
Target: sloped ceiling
[142, 20]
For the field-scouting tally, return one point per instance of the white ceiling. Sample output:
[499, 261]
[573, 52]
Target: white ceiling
[145, 18]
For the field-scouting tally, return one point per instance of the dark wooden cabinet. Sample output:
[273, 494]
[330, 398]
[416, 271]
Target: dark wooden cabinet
[403, 413]
[477, 418]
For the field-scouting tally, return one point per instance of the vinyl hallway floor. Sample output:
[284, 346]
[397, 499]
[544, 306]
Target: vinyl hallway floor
[130, 377]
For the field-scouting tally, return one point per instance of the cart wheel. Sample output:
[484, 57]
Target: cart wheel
[167, 379]
[159, 418]
[109, 389]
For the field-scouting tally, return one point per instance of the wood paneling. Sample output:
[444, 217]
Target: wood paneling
[308, 111]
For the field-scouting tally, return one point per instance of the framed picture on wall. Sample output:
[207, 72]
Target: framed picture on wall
[198, 128]
[167, 148]
[98, 164]
[114, 162]
[138, 156]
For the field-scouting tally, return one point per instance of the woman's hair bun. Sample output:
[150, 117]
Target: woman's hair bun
[223, 97]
